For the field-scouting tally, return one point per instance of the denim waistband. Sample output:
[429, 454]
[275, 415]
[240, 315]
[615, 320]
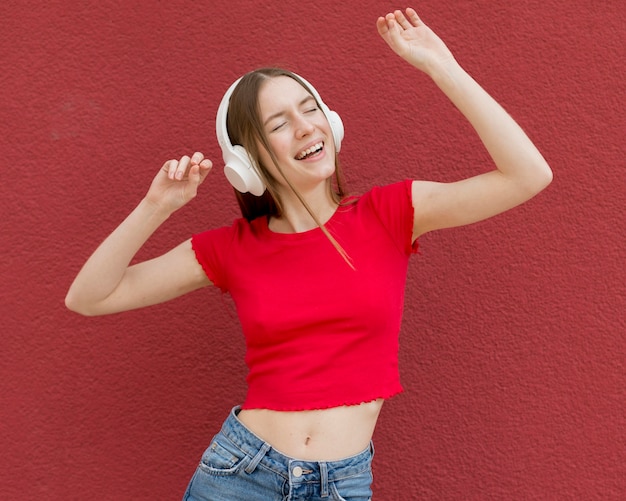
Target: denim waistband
[294, 469]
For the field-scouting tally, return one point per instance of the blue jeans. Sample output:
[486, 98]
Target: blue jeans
[239, 466]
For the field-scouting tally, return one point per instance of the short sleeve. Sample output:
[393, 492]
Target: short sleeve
[212, 249]
[392, 205]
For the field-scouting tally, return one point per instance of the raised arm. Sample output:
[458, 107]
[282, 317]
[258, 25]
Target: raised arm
[107, 284]
[521, 171]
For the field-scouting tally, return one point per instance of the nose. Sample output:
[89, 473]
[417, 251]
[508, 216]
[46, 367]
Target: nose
[303, 126]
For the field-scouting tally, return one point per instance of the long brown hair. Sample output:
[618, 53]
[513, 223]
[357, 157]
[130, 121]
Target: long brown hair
[244, 127]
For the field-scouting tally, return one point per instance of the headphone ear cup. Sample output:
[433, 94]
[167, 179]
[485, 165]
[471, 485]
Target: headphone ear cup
[238, 168]
[336, 126]
[241, 173]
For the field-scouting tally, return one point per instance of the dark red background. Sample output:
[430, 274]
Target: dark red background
[513, 345]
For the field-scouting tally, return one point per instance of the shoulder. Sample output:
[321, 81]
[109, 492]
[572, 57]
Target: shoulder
[217, 249]
[395, 197]
[386, 210]
[237, 229]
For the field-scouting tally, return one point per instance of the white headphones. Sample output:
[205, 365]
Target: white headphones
[239, 167]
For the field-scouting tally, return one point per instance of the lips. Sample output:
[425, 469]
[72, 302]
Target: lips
[310, 151]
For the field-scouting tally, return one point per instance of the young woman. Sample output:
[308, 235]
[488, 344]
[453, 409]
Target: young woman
[317, 278]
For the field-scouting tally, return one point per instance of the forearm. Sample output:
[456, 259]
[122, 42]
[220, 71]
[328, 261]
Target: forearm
[105, 269]
[512, 151]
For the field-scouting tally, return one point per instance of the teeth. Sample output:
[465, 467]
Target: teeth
[310, 150]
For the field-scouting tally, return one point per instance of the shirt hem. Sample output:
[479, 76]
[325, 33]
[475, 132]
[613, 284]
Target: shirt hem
[322, 406]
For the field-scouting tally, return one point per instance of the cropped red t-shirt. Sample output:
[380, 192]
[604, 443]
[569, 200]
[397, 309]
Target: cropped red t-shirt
[318, 333]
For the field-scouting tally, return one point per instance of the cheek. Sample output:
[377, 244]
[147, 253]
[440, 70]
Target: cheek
[267, 164]
[264, 157]
[280, 149]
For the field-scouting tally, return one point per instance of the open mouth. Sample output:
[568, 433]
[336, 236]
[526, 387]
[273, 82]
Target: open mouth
[311, 152]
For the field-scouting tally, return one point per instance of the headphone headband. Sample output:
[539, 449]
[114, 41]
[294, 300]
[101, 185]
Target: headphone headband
[239, 167]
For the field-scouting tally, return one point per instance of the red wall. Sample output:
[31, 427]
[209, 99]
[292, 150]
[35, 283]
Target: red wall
[513, 345]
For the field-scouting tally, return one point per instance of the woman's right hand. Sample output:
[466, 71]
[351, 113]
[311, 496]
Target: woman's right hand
[177, 182]
[108, 283]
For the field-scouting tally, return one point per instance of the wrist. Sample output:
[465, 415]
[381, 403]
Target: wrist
[153, 211]
[444, 72]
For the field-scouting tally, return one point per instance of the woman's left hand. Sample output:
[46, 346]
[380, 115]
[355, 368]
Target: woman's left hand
[413, 41]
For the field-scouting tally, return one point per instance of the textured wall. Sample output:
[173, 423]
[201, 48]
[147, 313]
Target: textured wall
[513, 345]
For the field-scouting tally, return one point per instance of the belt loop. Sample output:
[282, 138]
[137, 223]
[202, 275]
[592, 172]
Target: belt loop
[257, 459]
[324, 479]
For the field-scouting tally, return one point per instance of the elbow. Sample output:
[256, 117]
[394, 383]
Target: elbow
[546, 176]
[73, 304]
[541, 178]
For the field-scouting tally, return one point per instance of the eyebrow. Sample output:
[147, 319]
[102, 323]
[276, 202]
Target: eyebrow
[281, 113]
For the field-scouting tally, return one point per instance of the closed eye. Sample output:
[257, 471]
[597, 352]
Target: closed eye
[279, 126]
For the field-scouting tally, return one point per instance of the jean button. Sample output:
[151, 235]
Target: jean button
[297, 472]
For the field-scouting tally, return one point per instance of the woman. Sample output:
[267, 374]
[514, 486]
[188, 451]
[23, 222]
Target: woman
[317, 279]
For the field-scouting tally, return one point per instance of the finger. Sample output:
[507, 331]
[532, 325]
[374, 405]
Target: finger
[196, 158]
[204, 169]
[170, 167]
[413, 17]
[198, 173]
[391, 21]
[183, 165]
[381, 26]
[166, 166]
[386, 24]
[402, 21]
[394, 23]
[206, 164]
[390, 30]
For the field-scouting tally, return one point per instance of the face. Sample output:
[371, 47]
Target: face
[298, 133]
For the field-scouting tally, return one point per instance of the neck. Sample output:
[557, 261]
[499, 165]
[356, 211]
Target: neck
[296, 218]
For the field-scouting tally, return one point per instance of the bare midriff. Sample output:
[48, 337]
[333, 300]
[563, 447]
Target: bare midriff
[316, 435]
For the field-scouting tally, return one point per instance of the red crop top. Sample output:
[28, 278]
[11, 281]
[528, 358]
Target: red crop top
[318, 333]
